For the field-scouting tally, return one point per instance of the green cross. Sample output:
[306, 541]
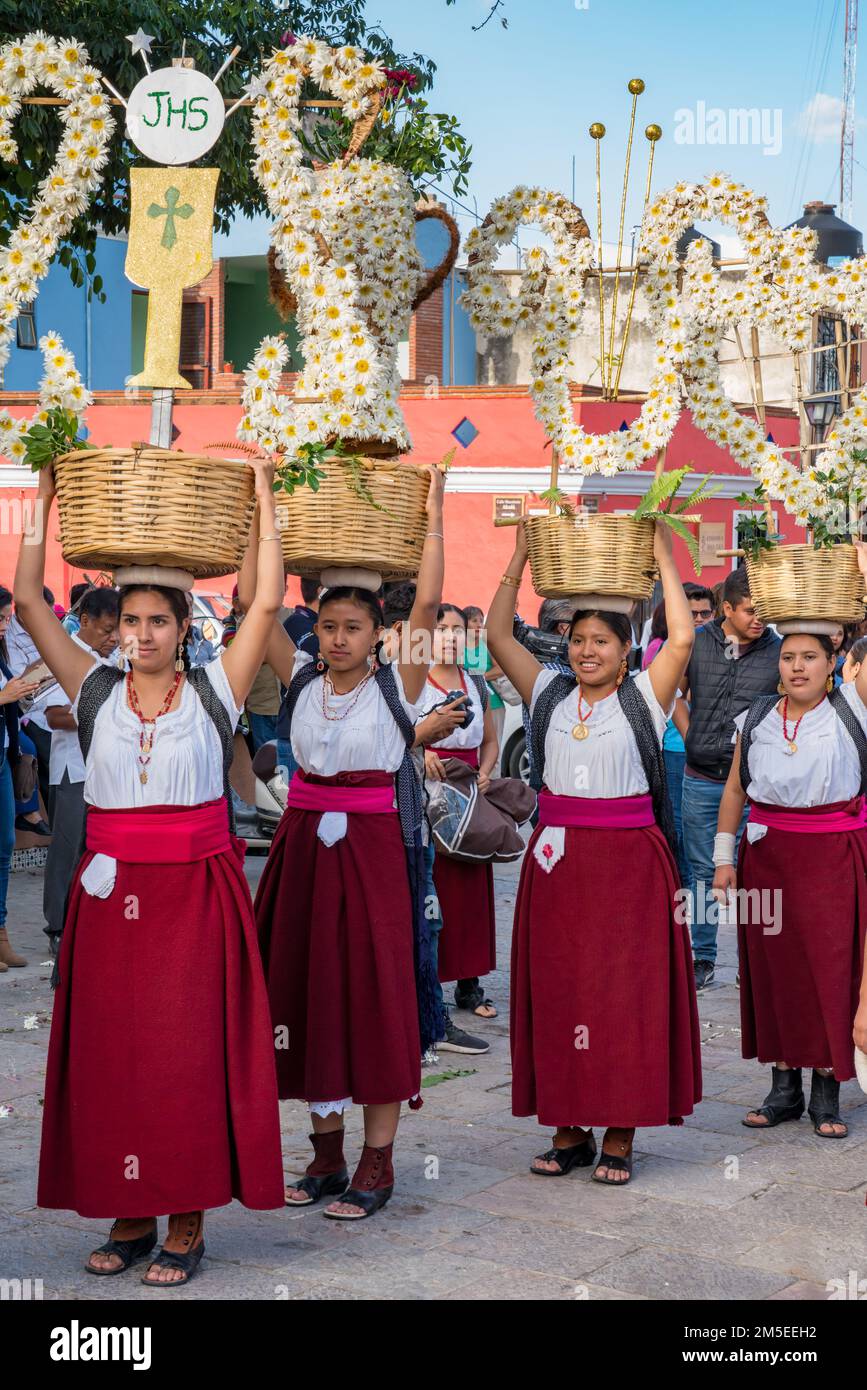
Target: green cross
[170, 212]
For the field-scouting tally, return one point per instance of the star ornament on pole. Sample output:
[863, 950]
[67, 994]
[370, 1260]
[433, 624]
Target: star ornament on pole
[141, 43]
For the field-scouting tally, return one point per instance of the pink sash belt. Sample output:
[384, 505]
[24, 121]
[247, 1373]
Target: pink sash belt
[320, 796]
[159, 834]
[813, 820]
[586, 813]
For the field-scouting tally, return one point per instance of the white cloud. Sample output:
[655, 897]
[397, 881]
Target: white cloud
[821, 119]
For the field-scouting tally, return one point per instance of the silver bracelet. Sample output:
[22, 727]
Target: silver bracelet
[438, 535]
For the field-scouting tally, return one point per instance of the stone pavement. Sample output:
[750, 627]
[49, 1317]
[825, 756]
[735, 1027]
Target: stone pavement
[714, 1211]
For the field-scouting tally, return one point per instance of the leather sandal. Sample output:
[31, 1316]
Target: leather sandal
[188, 1261]
[128, 1251]
[619, 1163]
[326, 1175]
[784, 1101]
[370, 1188]
[574, 1156]
[824, 1108]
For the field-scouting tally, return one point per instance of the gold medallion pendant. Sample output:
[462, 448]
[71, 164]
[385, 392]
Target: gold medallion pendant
[580, 731]
[791, 746]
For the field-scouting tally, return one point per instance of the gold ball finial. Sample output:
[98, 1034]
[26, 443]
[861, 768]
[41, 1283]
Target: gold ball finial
[636, 86]
[654, 132]
[597, 130]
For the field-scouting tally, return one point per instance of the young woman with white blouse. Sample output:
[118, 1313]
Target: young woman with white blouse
[467, 944]
[801, 761]
[342, 925]
[160, 1093]
[604, 1025]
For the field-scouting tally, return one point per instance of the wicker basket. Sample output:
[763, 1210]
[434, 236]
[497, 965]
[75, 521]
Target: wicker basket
[794, 582]
[154, 507]
[337, 527]
[591, 555]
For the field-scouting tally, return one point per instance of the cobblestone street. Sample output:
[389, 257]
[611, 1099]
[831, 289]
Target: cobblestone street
[714, 1211]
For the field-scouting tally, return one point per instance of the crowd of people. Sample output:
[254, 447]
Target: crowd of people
[706, 762]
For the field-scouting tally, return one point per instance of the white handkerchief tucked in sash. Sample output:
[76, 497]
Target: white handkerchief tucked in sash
[550, 847]
[99, 876]
[755, 831]
[331, 827]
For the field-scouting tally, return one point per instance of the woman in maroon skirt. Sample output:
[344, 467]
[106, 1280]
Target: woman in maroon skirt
[604, 1024]
[340, 908]
[160, 1094]
[802, 903]
[465, 892]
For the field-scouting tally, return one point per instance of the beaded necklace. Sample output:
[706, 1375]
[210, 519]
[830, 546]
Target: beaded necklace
[148, 726]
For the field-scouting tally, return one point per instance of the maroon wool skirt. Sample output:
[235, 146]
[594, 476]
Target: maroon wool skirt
[160, 1094]
[468, 937]
[604, 1023]
[800, 985]
[336, 935]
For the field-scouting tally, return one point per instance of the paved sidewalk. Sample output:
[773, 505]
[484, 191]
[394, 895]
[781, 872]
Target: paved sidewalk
[714, 1211]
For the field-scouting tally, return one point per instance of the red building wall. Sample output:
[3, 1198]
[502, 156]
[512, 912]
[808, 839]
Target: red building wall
[509, 436]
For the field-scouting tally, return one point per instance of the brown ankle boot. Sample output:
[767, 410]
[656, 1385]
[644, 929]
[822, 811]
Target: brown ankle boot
[185, 1230]
[371, 1187]
[326, 1174]
[7, 955]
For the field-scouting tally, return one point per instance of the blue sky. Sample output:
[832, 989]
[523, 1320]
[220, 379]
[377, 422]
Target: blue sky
[526, 95]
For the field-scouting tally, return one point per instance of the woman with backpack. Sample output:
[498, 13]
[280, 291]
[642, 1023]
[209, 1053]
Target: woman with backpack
[801, 761]
[160, 1093]
[604, 1024]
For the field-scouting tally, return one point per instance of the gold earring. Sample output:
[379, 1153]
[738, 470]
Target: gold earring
[179, 659]
[621, 674]
[829, 684]
[781, 689]
[121, 659]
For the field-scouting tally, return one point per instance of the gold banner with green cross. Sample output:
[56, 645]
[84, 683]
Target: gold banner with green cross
[170, 248]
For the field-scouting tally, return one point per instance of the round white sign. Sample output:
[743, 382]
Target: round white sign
[174, 115]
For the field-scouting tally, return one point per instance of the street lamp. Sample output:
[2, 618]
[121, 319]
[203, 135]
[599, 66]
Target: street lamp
[820, 412]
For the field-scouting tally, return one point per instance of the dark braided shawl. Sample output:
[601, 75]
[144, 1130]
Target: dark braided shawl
[409, 810]
[640, 722]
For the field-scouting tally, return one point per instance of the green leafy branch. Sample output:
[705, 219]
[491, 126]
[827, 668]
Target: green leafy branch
[754, 531]
[841, 496]
[58, 434]
[659, 503]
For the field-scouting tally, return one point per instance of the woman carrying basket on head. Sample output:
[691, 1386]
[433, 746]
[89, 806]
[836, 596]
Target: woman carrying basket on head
[801, 760]
[343, 929]
[160, 1095]
[604, 1025]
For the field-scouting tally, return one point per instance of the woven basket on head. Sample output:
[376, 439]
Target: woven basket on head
[337, 527]
[591, 555]
[796, 581]
[154, 507]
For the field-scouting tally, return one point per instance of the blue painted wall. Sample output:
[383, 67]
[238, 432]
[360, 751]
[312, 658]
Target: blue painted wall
[433, 240]
[62, 307]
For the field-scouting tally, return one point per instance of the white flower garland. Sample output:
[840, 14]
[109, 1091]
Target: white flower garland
[345, 238]
[552, 297]
[61, 386]
[63, 66]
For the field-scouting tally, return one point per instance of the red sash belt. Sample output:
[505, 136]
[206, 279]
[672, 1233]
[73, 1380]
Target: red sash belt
[159, 834]
[368, 793]
[586, 812]
[813, 820]
[466, 755]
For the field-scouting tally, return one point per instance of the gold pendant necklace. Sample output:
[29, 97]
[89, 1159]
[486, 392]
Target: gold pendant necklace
[580, 730]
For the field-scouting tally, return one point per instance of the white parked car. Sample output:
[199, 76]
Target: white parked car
[514, 761]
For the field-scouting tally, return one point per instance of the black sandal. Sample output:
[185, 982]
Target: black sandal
[331, 1185]
[575, 1156]
[824, 1108]
[369, 1202]
[620, 1164]
[129, 1251]
[167, 1259]
[784, 1101]
[188, 1262]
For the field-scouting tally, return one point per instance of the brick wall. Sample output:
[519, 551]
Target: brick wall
[426, 339]
[212, 288]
